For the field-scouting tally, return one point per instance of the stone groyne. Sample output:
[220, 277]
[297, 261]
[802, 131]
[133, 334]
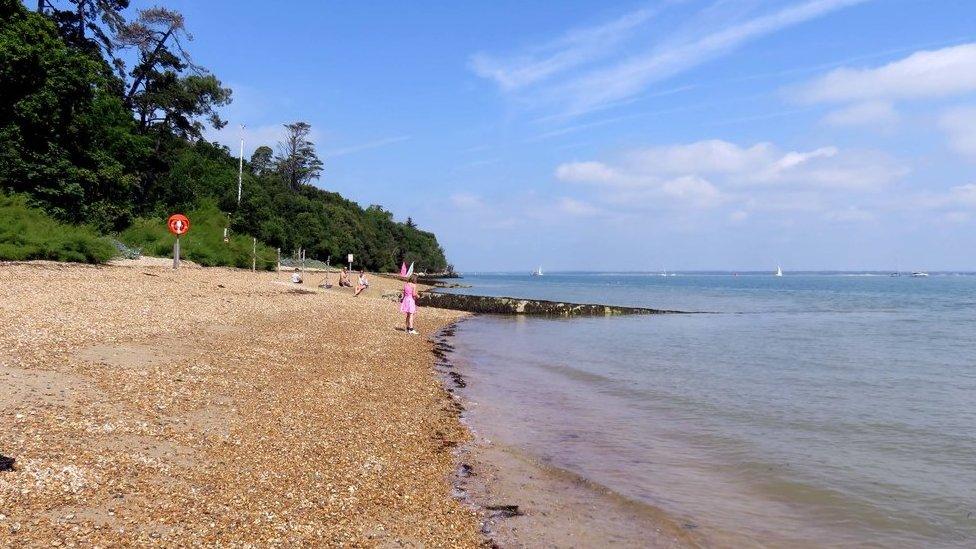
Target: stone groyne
[518, 306]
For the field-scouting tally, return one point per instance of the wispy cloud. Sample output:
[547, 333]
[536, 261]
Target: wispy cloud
[554, 79]
[366, 146]
[575, 48]
[633, 75]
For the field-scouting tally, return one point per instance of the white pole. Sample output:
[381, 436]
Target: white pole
[240, 168]
[254, 254]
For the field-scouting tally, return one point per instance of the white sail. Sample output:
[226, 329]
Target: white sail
[779, 271]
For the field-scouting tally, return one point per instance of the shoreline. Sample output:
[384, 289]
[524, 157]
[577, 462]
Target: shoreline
[212, 407]
[526, 502]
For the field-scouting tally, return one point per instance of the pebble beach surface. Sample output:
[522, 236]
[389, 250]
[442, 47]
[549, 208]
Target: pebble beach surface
[222, 407]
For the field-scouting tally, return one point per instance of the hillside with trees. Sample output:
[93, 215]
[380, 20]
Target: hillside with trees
[89, 138]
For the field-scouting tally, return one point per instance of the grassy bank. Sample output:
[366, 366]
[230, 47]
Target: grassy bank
[204, 244]
[27, 233]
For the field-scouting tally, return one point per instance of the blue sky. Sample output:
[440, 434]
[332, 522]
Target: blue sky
[681, 134]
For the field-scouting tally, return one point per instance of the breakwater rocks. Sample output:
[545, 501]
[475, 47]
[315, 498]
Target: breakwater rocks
[517, 306]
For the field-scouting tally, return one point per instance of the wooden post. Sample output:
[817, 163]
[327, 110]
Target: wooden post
[303, 260]
[254, 254]
[279, 260]
[176, 253]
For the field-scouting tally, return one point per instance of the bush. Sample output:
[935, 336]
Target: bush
[203, 244]
[28, 233]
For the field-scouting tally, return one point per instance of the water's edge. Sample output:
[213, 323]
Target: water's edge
[524, 501]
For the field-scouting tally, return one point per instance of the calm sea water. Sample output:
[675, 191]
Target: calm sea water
[824, 410]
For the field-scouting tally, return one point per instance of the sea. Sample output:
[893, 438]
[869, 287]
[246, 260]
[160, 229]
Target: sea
[813, 409]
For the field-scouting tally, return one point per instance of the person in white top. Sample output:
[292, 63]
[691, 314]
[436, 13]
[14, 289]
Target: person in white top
[363, 282]
[296, 277]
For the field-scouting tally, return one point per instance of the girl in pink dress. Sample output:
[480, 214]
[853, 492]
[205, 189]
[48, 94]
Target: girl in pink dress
[408, 304]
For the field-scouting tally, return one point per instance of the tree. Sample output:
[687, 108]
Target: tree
[410, 223]
[65, 138]
[101, 18]
[297, 161]
[164, 99]
[262, 161]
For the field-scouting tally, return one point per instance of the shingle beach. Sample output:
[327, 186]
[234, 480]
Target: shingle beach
[222, 407]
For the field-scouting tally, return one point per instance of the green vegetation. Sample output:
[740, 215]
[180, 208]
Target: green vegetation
[28, 233]
[91, 141]
[204, 244]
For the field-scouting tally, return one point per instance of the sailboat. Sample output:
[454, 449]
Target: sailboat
[537, 272]
[779, 271]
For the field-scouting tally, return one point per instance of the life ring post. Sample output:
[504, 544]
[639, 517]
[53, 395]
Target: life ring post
[176, 253]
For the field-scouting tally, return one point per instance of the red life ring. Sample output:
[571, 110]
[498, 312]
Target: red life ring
[178, 224]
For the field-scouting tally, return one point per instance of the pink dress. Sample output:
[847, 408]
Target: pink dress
[409, 302]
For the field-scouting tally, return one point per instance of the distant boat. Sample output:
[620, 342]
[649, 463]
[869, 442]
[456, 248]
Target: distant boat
[537, 272]
[779, 271]
[920, 274]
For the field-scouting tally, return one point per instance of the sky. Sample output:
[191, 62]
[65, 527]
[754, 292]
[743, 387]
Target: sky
[667, 134]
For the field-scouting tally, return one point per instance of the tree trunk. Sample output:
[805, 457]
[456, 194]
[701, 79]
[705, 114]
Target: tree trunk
[40, 6]
[81, 19]
[150, 61]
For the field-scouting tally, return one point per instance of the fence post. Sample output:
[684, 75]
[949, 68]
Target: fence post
[279, 260]
[254, 254]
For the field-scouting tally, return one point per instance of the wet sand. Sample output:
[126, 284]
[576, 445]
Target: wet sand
[525, 502]
[557, 508]
[214, 407]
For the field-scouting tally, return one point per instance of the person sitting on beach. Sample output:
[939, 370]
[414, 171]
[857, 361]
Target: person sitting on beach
[408, 304]
[363, 283]
[296, 277]
[344, 278]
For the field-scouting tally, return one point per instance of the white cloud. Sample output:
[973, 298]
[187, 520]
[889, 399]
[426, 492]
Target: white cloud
[876, 114]
[712, 173]
[710, 156]
[693, 190]
[960, 127]
[587, 172]
[960, 197]
[924, 74]
[572, 206]
[766, 164]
